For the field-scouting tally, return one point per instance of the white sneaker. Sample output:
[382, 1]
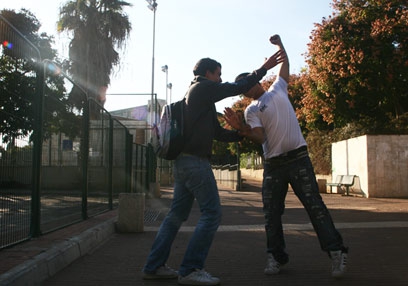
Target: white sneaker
[339, 263]
[163, 272]
[272, 266]
[198, 277]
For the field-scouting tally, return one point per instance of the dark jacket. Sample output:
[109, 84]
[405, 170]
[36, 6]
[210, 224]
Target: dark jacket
[201, 123]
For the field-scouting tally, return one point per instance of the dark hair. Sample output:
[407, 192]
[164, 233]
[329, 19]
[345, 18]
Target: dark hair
[241, 76]
[204, 65]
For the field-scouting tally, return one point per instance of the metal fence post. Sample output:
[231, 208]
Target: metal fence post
[85, 157]
[238, 186]
[128, 158]
[110, 168]
[135, 170]
[151, 166]
[35, 226]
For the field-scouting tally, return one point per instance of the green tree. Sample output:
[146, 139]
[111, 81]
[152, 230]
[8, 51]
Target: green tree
[358, 66]
[223, 152]
[19, 74]
[295, 90]
[97, 28]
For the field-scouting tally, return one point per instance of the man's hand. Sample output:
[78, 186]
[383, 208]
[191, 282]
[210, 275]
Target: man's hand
[233, 119]
[275, 59]
[275, 40]
[284, 69]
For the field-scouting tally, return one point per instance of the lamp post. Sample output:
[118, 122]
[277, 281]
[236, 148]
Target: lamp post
[169, 86]
[153, 6]
[154, 184]
[165, 69]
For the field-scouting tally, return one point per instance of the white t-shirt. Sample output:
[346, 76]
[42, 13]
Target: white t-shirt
[274, 112]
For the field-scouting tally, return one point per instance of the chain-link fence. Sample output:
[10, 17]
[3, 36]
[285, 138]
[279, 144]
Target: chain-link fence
[63, 157]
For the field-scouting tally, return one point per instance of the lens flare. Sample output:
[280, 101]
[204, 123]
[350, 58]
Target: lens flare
[7, 44]
[53, 69]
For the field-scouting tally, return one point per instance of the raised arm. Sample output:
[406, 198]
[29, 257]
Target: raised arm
[284, 68]
[275, 59]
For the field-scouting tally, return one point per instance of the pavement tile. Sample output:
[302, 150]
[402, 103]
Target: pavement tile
[376, 230]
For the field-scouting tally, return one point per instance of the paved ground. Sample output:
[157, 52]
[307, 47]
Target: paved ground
[376, 230]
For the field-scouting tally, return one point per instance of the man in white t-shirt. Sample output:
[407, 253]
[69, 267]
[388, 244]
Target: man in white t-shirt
[271, 121]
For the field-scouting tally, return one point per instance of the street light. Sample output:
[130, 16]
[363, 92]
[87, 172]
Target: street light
[166, 70]
[169, 86]
[153, 6]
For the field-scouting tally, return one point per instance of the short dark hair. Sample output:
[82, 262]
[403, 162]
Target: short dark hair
[241, 76]
[204, 65]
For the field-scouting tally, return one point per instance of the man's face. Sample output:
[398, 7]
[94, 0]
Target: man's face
[214, 76]
[252, 92]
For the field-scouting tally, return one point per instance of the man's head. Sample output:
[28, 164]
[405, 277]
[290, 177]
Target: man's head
[241, 76]
[208, 68]
[255, 92]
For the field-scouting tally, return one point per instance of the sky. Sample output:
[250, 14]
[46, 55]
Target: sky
[233, 32]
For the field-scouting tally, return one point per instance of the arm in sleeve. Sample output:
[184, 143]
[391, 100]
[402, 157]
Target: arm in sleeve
[230, 89]
[225, 135]
[227, 89]
[253, 128]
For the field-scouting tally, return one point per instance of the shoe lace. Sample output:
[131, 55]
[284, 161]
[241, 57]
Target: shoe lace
[272, 262]
[339, 260]
[165, 266]
[343, 260]
[202, 273]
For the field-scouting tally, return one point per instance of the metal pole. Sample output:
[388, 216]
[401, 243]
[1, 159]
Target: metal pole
[165, 69]
[35, 222]
[167, 80]
[154, 5]
[170, 86]
[239, 181]
[110, 159]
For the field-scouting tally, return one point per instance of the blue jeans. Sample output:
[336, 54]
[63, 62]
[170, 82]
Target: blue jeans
[194, 179]
[296, 170]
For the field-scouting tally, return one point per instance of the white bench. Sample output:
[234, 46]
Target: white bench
[342, 181]
[336, 183]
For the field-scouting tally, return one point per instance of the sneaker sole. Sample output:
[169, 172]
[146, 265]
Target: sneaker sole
[158, 277]
[198, 283]
[338, 275]
[271, 272]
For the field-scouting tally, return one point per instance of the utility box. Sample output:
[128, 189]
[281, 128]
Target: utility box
[131, 212]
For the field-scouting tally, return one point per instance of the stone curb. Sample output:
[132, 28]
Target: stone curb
[59, 256]
[297, 227]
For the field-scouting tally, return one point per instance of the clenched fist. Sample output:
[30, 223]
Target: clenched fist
[275, 40]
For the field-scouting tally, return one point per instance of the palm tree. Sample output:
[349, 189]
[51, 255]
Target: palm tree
[97, 27]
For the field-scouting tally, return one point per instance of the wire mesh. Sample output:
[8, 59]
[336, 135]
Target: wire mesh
[119, 159]
[72, 163]
[62, 179]
[98, 166]
[15, 192]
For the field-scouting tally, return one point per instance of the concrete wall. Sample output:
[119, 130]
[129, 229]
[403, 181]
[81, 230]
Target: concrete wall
[70, 178]
[137, 129]
[227, 177]
[258, 174]
[379, 161]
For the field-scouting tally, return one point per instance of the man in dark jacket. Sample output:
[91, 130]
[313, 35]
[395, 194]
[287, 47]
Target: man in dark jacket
[193, 175]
